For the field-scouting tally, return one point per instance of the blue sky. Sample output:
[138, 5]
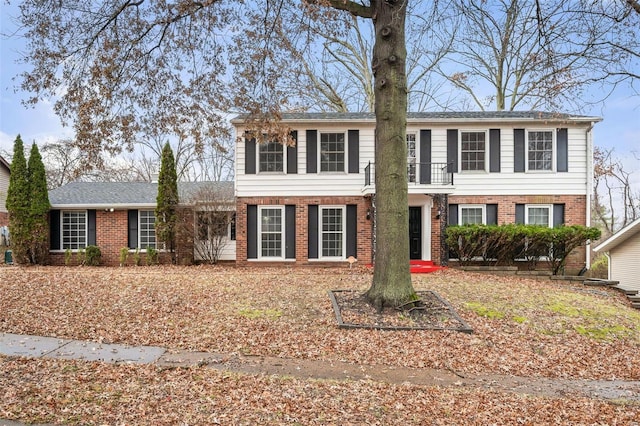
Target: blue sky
[620, 128]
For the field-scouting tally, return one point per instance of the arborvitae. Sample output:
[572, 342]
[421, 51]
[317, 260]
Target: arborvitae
[18, 204]
[167, 200]
[38, 208]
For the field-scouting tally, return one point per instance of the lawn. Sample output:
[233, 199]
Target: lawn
[522, 327]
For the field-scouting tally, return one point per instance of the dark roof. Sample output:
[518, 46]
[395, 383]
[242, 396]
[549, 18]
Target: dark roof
[434, 116]
[129, 194]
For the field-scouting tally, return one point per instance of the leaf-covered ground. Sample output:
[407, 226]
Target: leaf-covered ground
[521, 327]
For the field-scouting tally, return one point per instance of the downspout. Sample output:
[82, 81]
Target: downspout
[589, 138]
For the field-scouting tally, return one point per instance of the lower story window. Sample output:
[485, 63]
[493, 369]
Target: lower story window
[271, 231]
[74, 230]
[147, 229]
[332, 225]
[472, 215]
[539, 215]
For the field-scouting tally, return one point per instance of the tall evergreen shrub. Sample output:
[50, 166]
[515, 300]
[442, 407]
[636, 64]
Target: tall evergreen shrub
[38, 209]
[18, 204]
[167, 200]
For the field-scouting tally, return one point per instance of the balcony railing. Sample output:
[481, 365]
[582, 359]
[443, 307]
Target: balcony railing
[418, 174]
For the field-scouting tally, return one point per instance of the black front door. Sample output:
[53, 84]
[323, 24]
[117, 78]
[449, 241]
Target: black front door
[415, 232]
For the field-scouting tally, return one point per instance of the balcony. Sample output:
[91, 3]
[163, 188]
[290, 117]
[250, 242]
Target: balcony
[434, 178]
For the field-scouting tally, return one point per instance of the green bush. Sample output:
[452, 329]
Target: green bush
[124, 255]
[504, 244]
[136, 257]
[67, 256]
[80, 255]
[93, 256]
[152, 256]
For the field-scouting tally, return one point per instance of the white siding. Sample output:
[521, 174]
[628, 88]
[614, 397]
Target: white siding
[573, 182]
[624, 263]
[4, 187]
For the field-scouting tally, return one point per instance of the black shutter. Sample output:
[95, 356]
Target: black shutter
[354, 151]
[292, 155]
[290, 231]
[312, 151]
[494, 150]
[518, 150]
[452, 150]
[425, 156]
[313, 231]
[54, 230]
[492, 214]
[233, 227]
[91, 227]
[558, 215]
[562, 140]
[252, 232]
[520, 213]
[352, 231]
[453, 214]
[249, 156]
[132, 219]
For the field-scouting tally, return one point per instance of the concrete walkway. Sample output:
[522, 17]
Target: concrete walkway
[50, 347]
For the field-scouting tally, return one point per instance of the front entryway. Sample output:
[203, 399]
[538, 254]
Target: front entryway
[415, 232]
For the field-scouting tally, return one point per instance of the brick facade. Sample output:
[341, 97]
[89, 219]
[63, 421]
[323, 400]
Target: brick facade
[364, 225]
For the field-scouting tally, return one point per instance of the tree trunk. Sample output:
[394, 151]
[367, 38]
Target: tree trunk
[391, 278]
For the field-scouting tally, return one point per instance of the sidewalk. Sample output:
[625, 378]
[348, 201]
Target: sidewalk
[51, 347]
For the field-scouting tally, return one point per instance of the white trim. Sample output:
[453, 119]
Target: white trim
[549, 207]
[284, 160]
[554, 149]
[483, 207]
[486, 151]
[345, 165]
[86, 230]
[619, 237]
[342, 208]
[282, 232]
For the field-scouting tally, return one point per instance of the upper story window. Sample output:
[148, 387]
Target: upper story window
[74, 230]
[472, 214]
[539, 215]
[411, 157]
[332, 152]
[540, 150]
[147, 229]
[271, 157]
[473, 151]
[271, 231]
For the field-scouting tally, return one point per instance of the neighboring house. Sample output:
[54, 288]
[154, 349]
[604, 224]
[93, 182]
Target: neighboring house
[315, 201]
[5, 172]
[623, 251]
[114, 215]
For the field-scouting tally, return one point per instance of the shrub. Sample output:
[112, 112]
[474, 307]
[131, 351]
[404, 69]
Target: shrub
[67, 257]
[124, 255]
[152, 256]
[92, 256]
[80, 255]
[136, 257]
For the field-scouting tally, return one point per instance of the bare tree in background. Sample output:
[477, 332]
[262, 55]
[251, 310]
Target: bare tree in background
[615, 202]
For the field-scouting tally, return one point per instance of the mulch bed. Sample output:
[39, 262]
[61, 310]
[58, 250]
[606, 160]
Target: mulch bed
[431, 312]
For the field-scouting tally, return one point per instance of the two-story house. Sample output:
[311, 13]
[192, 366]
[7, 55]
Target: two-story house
[315, 201]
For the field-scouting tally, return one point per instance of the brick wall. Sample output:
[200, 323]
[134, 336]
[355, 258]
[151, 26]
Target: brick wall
[364, 225]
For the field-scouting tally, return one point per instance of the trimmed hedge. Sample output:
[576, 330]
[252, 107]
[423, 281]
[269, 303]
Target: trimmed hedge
[504, 244]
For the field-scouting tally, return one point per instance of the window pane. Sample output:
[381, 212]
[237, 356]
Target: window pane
[411, 157]
[271, 232]
[540, 150]
[147, 220]
[471, 216]
[538, 216]
[332, 152]
[473, 151]
[74, 230]
[271, 157]
[332, 232]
